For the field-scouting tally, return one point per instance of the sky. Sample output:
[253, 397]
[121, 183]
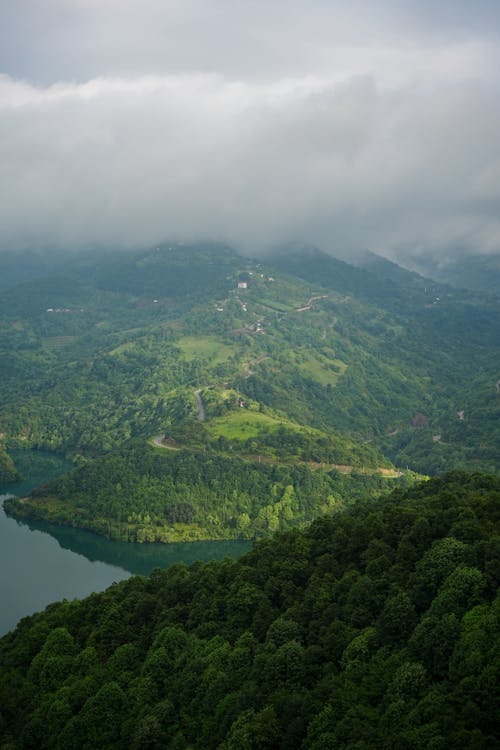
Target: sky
[368, 125]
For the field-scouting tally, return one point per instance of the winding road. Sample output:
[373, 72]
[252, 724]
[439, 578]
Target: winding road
[201, 408]
[159, 441]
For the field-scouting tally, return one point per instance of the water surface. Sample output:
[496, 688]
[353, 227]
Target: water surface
[41, 562]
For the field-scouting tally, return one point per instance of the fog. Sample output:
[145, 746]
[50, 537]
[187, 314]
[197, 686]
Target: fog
[362, 129]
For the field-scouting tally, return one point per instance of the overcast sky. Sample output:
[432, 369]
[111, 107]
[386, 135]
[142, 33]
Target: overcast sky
[372, 124]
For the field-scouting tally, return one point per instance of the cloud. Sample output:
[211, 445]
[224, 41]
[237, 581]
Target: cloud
[349, 126]
[50, 40]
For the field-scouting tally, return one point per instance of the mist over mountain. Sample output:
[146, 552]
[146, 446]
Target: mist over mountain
[123, 124]
[249, 292]
[480, 272]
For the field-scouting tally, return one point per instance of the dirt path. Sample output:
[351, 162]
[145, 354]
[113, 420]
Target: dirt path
[246, 368]
[201, 408]
[159, 441]
[310, 302]
[263, 459]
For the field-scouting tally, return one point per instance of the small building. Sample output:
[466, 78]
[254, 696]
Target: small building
[242, 285]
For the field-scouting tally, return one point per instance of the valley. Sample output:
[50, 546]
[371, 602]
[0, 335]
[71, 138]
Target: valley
[249, 375]
[297, 372]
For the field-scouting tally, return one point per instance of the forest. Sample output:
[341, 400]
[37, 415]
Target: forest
[146, 495]
[315, 367]
[373, 628]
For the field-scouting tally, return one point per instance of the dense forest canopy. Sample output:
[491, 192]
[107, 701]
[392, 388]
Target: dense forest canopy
[375, 628]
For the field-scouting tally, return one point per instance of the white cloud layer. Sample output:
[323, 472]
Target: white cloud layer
[342, 130]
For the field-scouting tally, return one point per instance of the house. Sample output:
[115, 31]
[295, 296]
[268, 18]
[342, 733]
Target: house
[242, 285]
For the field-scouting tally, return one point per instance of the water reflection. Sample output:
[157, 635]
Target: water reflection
[139, 559]
[41, 562]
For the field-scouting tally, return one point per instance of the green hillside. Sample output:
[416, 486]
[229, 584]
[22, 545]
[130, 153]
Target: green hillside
[147, 495]
[376, 628]
[313, 363]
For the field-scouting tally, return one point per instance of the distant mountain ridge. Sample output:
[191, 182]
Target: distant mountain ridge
[475, 272]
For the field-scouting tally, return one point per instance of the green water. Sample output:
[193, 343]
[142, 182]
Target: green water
[41, 563]
[35, 467]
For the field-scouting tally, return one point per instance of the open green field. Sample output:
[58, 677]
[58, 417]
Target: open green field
[241, 425]
[276, 305]
[209, 348]
[321, 369]
[244, 424]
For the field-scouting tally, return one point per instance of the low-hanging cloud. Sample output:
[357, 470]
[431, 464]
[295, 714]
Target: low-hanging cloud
[344, 162]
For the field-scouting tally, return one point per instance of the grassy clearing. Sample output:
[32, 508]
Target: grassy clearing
[209, 348]
[275, 305]
[241, 425]
[321, 369]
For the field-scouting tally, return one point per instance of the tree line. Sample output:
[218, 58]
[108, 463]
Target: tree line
[376, 628]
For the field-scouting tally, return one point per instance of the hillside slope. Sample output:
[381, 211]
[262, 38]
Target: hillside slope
[140, 494]
[376, 628]
[306, 362]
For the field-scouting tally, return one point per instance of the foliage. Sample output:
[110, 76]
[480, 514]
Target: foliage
[146, 495]
[8, 471]
[316, 365]
[115, 347]
[375, 628]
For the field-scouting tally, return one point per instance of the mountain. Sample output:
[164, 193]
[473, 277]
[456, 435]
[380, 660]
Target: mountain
[477, 272]
[300, 371]
[374, 628]
[391, 271]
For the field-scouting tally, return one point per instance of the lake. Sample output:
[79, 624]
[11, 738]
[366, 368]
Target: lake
[41, 563]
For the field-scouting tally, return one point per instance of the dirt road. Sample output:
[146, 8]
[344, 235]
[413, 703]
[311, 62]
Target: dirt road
[201, 408]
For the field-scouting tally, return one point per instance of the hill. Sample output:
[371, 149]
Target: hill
[301, 361]
[479, 272]
[146, 495]
[375, 628]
